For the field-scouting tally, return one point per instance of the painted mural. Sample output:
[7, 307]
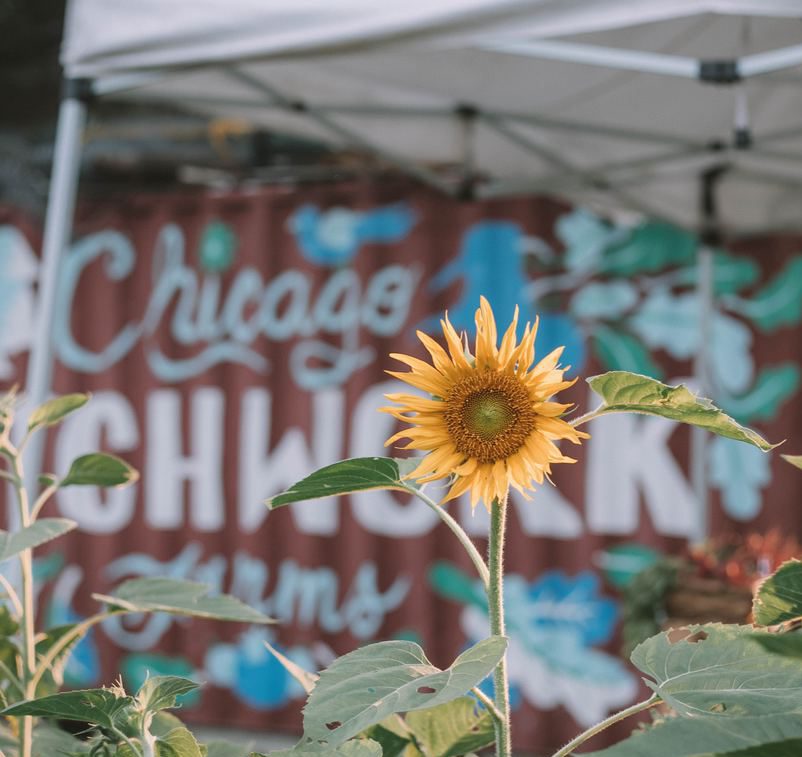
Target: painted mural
[242, 344]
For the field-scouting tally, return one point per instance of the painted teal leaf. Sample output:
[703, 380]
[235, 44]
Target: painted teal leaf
[606, 300]
[54, 411]
[367, 685]
[39, 532]
[99, 469]
[179, 597]
[740, 472]
[651, 246]
[778, 303]
[720, 671]
[620, 351]
[711, 737]
[774, 386]
[779, 597]
[625, 392]
[357, 474]
[731, 273]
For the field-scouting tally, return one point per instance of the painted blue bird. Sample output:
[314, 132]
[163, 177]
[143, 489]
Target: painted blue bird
[333, 237]
[491, 263]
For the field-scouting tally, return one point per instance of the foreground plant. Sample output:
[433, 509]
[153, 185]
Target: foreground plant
[32, 661]
[489, 423]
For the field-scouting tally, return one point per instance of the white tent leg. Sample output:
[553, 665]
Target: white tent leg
[58, 227]
[699, 437]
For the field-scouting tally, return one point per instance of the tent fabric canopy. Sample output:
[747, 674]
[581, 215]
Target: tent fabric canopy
[597, 101]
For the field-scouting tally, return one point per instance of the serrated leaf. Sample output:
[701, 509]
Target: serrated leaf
[98, 706]
[726, 673]
[54, 411]
[795, 460]
[625, 392]
[708, 737]
[39, 532]
[180, 598]
[369, 684]
[779, 597]
[162, 692]
[357, 474]
[452, 729]
[178, 743]
[99, 469]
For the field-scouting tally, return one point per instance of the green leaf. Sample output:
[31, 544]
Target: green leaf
[99, 469]
[392, 735]
[618, 350]
[55, 410]
[785, 644]
[226, 749]
[624, 392]
[710, 737]
[779, 303]
[795, 460]
[725, 673]
[178, 743]
[51, 741]
[773, 387]
[358, 474]
[779, 597]
[355, 748]
[306, 679]
[377, 680]
[162, 692]
[179, 598]
[102, 707]
[40, 532]
[452, 729]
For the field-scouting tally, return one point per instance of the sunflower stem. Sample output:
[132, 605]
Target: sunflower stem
[599, 727]
[495, 602]
[588, 416]
[459, 532]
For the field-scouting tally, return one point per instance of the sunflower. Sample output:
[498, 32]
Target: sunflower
[488, 423]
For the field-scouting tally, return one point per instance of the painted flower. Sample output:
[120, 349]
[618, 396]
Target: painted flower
[488, 424]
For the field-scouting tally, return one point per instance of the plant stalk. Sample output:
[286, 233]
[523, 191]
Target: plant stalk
[495, 602]
[599, 727]
[28, 609]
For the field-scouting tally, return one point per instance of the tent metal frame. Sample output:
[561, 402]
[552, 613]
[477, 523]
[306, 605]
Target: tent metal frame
[78, 93]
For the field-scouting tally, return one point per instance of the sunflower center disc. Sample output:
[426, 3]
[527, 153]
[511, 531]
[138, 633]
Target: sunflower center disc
[488, 414]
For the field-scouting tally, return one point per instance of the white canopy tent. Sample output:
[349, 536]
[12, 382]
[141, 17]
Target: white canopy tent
[686, 110]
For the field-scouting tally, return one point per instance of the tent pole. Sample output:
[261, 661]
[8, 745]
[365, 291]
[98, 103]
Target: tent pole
[57, 231]
[705, 291]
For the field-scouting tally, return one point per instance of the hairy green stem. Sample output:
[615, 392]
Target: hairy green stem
[28, 609]
[587, 416]
[42, 499]
[459, 532]
[599, 727]
[495, 601]
[487, 702]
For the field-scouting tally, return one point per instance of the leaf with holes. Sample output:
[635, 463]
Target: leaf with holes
[625, 392]
[452, 729]
[40, 532]
[779, 597]
[710, 737]
[54, 411]
[99, 469]
[370, 683]
[359, 474]
[179, 598]
[720, 670]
